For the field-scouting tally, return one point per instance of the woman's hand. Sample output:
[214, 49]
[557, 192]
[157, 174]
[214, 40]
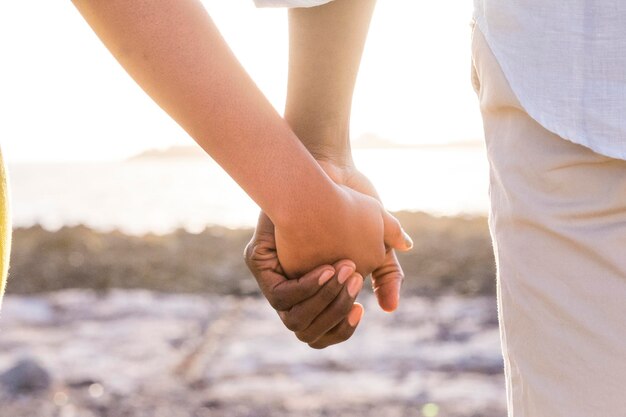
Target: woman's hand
[319, 306]
[358, 228]
[387, 278]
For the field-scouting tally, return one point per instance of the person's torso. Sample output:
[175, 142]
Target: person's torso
[566, 62]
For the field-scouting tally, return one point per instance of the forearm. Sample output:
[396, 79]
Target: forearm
[175, 53]
[325, 48]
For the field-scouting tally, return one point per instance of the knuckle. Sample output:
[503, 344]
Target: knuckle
[259, 249]
[278, 302]
[344, 307]
[340, 308]
[319, 346]
[388, 274]
[293, 324]
[343, 333]
[247, 255]
[290, 325]
[305, 337]
[328, 292]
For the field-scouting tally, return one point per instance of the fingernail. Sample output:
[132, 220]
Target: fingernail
[355, 285]
[407, 240]
[344, 273]
[354, 317]
[326, 276]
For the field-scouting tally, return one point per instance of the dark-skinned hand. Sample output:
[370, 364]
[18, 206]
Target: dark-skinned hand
[319, 306]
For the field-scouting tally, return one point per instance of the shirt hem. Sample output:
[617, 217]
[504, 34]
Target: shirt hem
[561, 131]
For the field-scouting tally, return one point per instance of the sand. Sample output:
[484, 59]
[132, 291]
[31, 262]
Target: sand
[114, 325]
[142, 353]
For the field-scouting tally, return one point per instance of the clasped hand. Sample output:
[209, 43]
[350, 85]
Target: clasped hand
[327, 259]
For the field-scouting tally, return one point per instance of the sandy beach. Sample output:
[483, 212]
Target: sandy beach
[141, 353]
[111, 325]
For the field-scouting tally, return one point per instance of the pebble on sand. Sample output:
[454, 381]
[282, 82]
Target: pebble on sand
[26, 376]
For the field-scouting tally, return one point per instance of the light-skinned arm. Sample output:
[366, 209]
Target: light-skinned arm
[175, 53]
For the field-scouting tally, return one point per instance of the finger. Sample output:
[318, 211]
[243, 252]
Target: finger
[395, 237]
[343, 331]
[387, 281]
[264, 225]
[301, 315]
[262, 260]
[334, 313]
[260, 253]
[284, 294]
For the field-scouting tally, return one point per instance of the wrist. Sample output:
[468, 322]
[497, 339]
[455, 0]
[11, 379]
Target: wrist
[326, 137]
[339, 158]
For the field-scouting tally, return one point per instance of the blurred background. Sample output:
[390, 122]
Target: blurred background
[128, 295]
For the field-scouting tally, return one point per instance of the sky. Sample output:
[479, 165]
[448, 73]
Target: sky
[63, 97]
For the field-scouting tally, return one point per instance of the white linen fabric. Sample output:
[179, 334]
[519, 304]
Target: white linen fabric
[564, 60]
[566, 63]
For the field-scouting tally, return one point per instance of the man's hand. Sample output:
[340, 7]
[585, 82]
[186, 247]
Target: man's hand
[319, 306]
[387, 278]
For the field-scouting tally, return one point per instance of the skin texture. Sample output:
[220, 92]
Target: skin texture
[326, 44]
[387, 277]
[298, 301]
[346, 235]
[175, 53]
[321, 312]
[325, 48]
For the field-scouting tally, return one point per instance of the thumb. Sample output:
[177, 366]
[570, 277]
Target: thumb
[395, 237]
[264, 225]
[386, 282]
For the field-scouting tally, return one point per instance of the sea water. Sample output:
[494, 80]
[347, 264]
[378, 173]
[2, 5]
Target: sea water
[161, 195]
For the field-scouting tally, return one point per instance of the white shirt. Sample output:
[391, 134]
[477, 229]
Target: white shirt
[565, 61]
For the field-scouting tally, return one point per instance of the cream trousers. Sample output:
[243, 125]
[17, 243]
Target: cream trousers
[558, 224]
